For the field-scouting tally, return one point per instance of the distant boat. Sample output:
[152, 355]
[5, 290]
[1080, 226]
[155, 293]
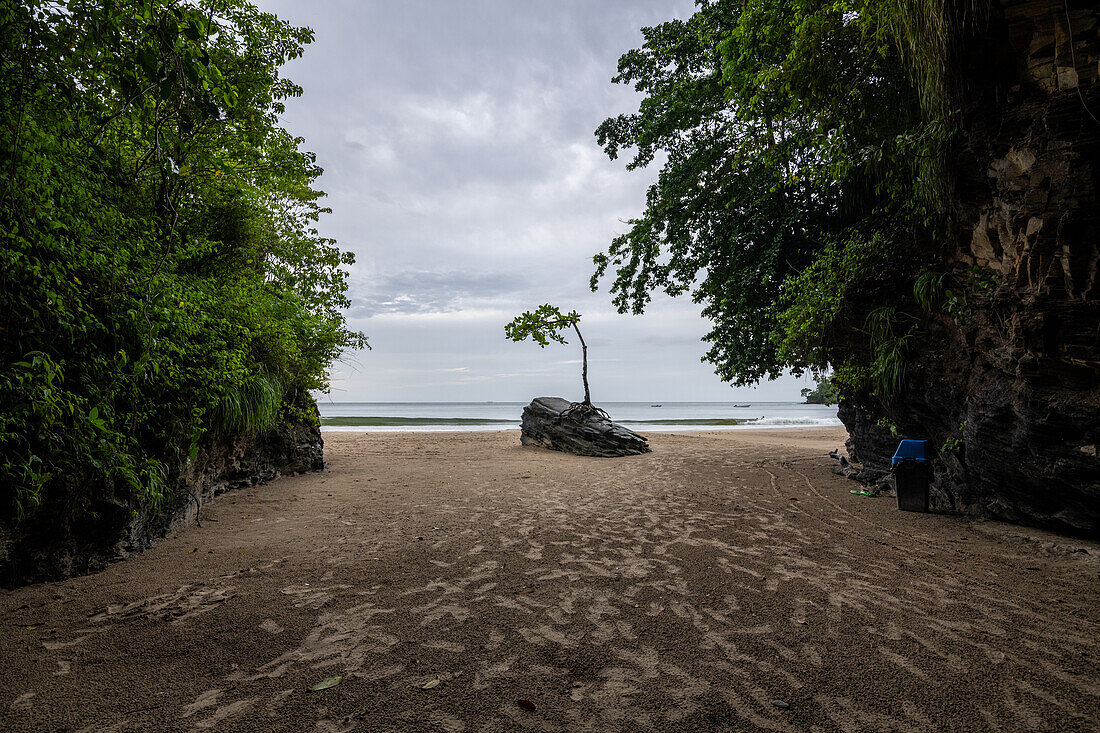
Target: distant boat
[655, 405]
[742, 405]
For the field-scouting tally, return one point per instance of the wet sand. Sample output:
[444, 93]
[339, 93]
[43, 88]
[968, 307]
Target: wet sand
[461, 582]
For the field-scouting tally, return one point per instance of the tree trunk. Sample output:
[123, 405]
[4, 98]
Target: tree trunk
[584, 365]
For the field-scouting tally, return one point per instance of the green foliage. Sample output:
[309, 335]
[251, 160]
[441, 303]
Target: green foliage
[815, 303]
[826, 392]
[889, 364]
[980, 282]
[545, 324]
[953, 304]
[250, 408]
[161, 275]
[959, 303]
[888, 424]
[851, 378]
[888, 367]
[954, 443]
[928, 35]
[542, 325]
[795, 153]
[928, 290]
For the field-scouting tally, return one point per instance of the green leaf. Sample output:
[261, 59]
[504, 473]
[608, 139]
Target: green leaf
[148, 60]
[171, 32]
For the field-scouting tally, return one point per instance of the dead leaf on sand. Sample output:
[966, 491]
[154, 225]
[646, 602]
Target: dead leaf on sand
[430, 685]
[526, 704]
[326, 683]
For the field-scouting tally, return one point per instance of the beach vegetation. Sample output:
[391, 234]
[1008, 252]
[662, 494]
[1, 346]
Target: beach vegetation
[251, 407]
[824, 392]
[887, 424]
[800, 149]
[162, 279]
[928, 290]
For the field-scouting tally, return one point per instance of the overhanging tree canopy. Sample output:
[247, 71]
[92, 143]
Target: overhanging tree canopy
[788, 202]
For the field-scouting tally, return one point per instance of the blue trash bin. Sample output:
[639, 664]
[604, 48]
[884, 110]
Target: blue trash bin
[912, 475]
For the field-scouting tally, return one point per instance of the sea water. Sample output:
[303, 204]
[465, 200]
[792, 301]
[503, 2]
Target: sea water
[640, 416]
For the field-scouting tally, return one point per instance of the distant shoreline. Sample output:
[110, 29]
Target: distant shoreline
[661, 428]
[638, 416]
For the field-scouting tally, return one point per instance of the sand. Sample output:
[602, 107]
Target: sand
[461, 582]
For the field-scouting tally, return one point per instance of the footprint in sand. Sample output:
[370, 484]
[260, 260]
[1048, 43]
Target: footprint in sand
[23, 702]
[205, 700]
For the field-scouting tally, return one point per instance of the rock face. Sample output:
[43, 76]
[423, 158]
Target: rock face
[55, 549]
[544, 426]
[869, 447]
[243, 461]
[1007, 384]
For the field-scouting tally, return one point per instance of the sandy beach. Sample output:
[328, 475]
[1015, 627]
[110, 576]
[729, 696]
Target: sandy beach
[461, 582]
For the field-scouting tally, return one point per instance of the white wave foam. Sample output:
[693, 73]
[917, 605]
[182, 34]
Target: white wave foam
[803, 420]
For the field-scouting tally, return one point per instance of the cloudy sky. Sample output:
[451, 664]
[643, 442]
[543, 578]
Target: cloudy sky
[462, 170]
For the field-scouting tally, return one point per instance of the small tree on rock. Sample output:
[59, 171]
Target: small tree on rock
[545, 324]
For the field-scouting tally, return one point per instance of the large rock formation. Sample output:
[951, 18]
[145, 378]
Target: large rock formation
[56, 548]
[547, 424]
[1006, 384]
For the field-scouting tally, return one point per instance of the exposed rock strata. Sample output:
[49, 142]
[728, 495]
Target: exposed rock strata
[544, 425]
[1007, 384]
[59, 549]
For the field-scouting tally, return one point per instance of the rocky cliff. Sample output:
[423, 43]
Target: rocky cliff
[1005, 380]
[118, 526]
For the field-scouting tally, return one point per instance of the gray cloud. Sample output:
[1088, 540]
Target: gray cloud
[462, 170]
[431, 291]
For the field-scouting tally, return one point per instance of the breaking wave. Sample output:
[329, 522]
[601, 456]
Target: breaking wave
[805, 420]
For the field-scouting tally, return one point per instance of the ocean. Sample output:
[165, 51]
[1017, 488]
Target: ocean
[638, 416]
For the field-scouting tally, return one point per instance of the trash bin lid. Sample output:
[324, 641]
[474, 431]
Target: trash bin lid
[910, 450]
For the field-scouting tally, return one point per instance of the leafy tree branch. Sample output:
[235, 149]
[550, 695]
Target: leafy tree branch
[545, 324]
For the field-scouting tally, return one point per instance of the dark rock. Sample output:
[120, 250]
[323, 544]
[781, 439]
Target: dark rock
[1005, 387]
[545, 425]
[120, 525]
[869, 444]
[237, 463]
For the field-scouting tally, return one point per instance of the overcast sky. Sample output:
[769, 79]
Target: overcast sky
[462, 170]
